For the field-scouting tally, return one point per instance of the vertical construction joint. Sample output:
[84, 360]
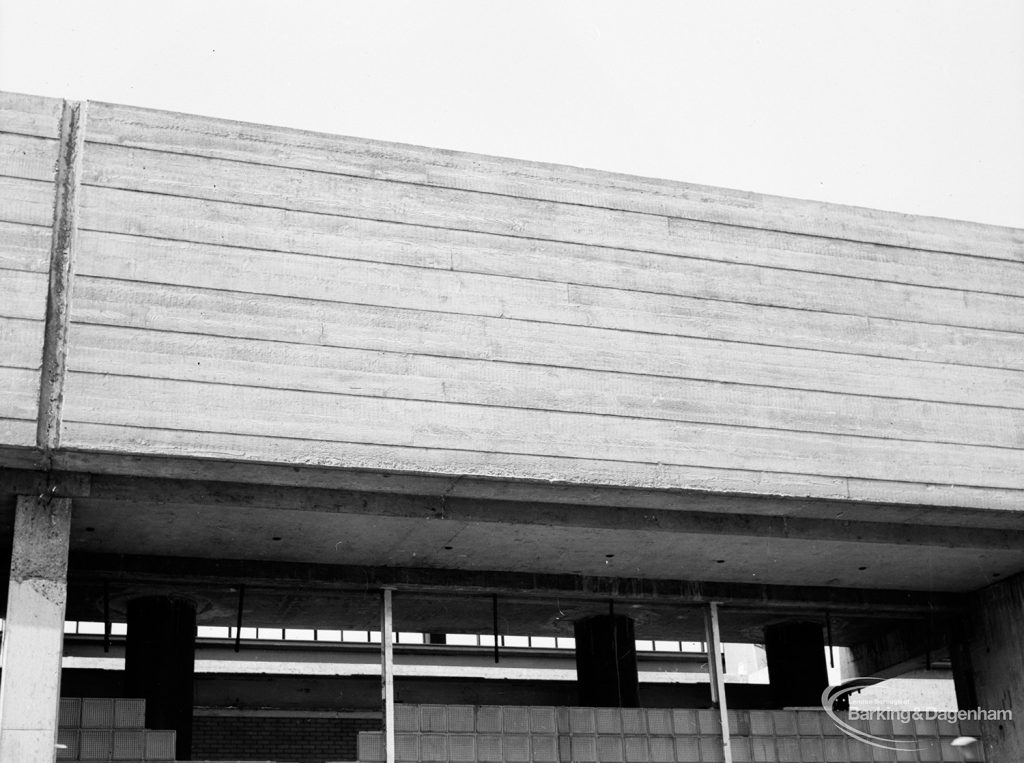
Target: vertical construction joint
[65, 230]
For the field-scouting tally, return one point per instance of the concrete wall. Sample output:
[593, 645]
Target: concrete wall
[251, 293]
[995, 653]
[29, 131]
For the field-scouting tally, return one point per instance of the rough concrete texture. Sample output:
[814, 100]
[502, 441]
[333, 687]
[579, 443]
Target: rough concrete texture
[40, 550]
[34, 630]
[996, 648]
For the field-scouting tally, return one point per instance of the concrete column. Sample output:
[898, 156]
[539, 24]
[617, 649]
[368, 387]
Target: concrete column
[606, 672]
[796, 663]
[34, 630]
[960, 659]
[989, 666]
[160, 651]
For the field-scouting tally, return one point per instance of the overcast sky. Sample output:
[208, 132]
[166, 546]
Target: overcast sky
[915, 106]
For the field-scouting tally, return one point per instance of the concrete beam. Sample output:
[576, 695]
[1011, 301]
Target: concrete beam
[187, 571]
[34, 630]
[960, 512]
[54, 484]
[281, 594]
[701, 514]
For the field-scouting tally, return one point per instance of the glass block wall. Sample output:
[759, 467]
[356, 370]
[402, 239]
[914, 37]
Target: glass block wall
[514, 734]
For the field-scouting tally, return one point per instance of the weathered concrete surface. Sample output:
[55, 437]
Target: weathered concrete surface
[995, 648]
[339, 527]
[58, 303]
[34, 630]
[251, 296]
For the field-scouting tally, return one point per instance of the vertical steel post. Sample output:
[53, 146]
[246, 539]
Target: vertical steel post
[716, 676]
[387, 675]
[238, 620]
[494, 615]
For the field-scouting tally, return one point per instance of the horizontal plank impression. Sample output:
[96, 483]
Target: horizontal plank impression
[217, 180]
[30, 114]
[29, 202]
[149, 403]
[276, 365]
[190, 310]
[321, 193]
[28, 157]
[217, 138]
[216, 446]
[21, 343]
[25, 247]
[189, 451]
[20, 399]
[386, 284]
[24, 294]
[18, 433]
[103, 449]
[429, 286]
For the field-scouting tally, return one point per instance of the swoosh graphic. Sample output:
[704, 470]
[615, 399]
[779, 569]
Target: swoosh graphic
[832, 693]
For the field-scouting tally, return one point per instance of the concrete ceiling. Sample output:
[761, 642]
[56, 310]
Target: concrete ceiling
[298, 526]
[449, 543]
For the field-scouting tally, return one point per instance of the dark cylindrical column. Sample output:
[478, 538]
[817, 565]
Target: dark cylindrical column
[796, 663]
[160, 651]
[606, 674]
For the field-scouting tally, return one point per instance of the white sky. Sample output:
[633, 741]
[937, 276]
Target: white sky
[912, 105]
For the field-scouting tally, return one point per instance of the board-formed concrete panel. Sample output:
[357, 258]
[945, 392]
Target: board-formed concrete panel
[29, 147]
[251, 294]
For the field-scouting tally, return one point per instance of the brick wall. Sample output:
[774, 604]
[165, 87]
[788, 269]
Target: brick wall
[266, 737]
